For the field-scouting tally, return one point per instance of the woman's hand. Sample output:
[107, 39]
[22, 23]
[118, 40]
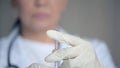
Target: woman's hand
[81, 54]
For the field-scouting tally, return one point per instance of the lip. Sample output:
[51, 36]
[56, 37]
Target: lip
[40, 15]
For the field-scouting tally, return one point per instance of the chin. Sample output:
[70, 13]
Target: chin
[39, 28]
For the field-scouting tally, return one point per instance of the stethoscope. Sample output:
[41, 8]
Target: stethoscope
[9, 64]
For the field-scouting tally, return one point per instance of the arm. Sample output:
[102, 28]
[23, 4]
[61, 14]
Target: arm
[103, 54]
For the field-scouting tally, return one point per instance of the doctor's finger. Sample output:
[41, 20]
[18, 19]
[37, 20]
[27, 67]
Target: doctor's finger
[69, 39]
[62, 54]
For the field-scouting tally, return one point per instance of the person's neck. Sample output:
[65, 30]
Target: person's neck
[37, 36]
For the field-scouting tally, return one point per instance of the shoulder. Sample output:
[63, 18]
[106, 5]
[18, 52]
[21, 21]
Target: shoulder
[3, 51]
[4, 41]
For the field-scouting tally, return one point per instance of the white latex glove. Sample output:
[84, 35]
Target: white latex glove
[80, 55]
[37, 65]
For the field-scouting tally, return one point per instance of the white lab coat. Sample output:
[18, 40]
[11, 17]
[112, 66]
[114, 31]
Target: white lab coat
[25, 52]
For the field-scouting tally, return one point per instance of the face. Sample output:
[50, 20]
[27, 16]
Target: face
[39, 14]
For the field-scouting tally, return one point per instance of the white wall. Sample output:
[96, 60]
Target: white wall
[87, 18]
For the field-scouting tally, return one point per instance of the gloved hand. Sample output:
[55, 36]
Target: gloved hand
[37, 65]
[80, 55]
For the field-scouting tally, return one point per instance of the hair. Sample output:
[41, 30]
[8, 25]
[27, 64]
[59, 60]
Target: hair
[16, 24]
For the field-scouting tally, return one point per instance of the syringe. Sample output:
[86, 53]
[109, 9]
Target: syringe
[56, 47]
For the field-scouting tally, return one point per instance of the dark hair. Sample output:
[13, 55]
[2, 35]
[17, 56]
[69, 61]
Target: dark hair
[16, 24]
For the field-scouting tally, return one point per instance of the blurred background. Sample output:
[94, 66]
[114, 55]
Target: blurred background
[96, 19]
